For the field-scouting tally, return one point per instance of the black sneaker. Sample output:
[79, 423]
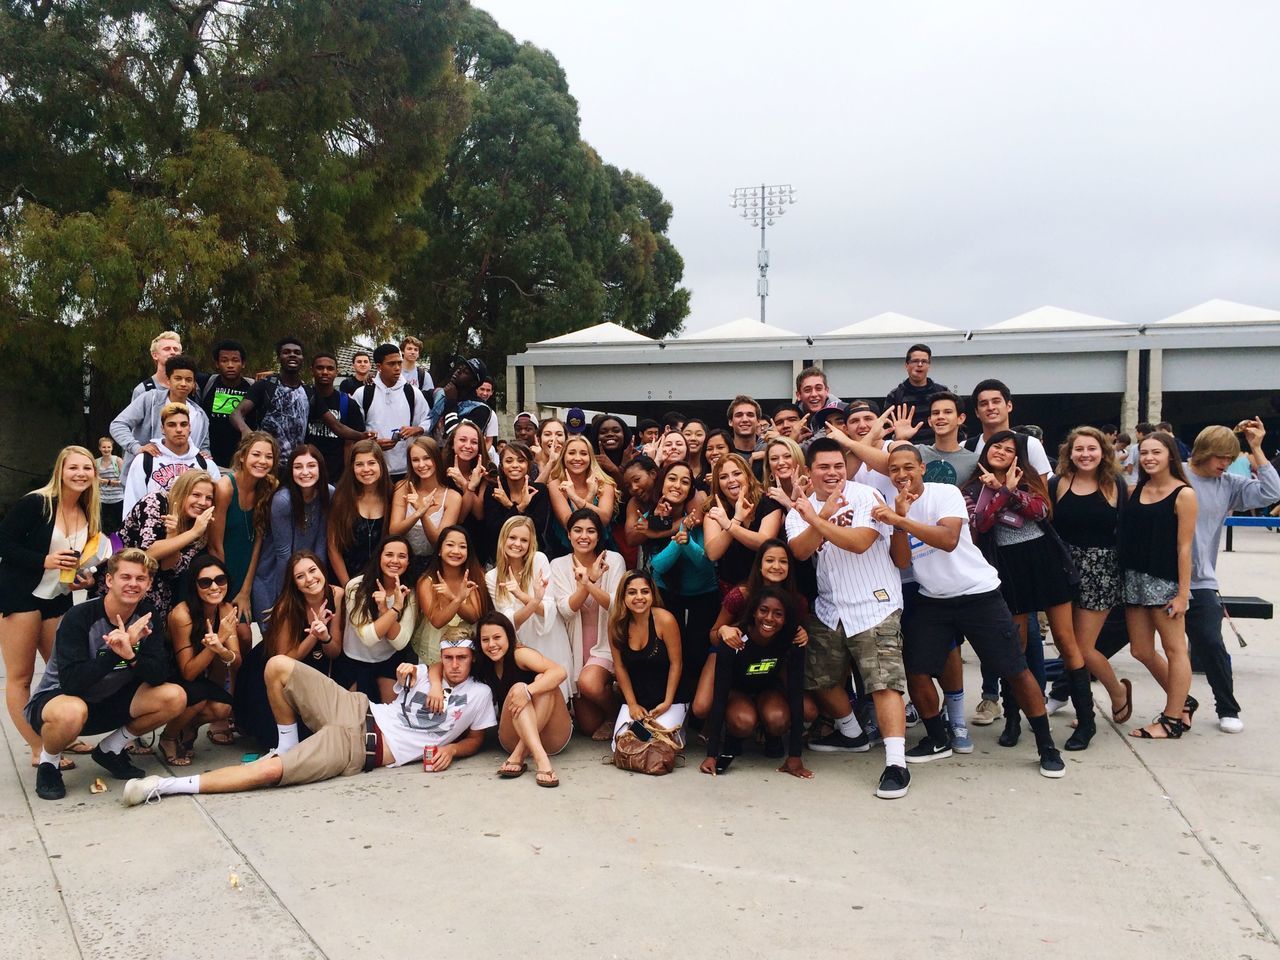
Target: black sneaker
[893, 783]
[837, 742]
[927, 750]
[49, 785]
[1051, 764]
[774, 748]
[117, 764]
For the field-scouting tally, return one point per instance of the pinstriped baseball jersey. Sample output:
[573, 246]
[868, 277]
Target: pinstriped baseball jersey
[856, 591]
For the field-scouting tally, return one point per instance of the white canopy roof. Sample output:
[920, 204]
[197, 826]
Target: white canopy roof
[608, 332]
[744, 329]
[1222, 312]
[888, 324]
[1053, 318]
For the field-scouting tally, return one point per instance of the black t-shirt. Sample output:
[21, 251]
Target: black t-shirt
[324, 439]
[219, 401]
[351, 384]
[734, 566]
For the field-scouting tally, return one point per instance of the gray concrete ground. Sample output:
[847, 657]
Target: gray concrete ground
[1143, 850]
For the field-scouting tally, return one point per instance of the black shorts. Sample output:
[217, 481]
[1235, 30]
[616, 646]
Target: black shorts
[104, 715]
[12, 602]
[983, 618]
[365, 676]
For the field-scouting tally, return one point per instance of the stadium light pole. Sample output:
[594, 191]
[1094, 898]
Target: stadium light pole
[762, 206]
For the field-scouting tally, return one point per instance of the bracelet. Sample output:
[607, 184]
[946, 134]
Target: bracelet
[229, 662]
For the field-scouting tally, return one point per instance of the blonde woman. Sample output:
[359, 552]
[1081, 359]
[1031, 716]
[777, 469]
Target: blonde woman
[518, 585]
[170, 528]
[575, 482]
[785, 476]
[242, 513]
[50, 542]
[422, 504]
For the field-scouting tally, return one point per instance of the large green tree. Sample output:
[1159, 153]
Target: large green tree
[530, 234]
[223, 169]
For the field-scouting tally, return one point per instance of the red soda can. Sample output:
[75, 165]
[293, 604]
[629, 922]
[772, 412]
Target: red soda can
[428, 759]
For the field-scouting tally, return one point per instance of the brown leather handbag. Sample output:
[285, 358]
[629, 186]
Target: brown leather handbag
[655, 756]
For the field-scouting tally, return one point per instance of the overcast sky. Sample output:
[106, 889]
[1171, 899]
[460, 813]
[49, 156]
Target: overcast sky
[960, 162]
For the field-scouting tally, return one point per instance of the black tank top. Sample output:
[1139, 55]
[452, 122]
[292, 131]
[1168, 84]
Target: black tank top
[647, 668]
[1149, 535]
[502, 685]
[1086, 521]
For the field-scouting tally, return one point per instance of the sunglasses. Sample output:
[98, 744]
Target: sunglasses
[205, 583]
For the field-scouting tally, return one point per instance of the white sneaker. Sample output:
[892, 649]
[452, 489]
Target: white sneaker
[1230, 724]
[1052, 706]
[141, 790]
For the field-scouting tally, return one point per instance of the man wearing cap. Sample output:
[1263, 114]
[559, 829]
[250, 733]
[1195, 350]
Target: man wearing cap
[575, 421]
[351, 734]
[525, 428]
[395, 411]
[459, 395]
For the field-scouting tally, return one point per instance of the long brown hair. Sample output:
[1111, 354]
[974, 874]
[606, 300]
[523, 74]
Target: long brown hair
[754, 490]
[1031, 479]
[297, 500]
[263, 488]
[289, 616]
[619, 615]
[344, 508]
[1175, 458]
[1108, 471]
[474, 570]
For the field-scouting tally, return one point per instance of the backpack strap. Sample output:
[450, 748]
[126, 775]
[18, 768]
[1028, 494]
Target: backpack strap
[366, 399]
[148, 464]
[344, 402]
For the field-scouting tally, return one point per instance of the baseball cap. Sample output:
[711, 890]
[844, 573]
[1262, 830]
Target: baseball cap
[478, 369]
[818, 420]
[575, 420]
[526, 415]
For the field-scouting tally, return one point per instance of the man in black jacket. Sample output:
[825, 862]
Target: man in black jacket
[108, 672]
[916, 390]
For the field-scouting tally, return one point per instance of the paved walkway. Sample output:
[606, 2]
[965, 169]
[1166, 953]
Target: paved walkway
[1144, 850]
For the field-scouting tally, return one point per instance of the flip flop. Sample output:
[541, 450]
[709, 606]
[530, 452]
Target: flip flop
[1124, 713]
[79, 747]
[603, 732]
[547, 778]
[510, 771]
[175, 757]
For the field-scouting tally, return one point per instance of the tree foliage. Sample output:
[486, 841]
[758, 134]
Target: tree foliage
[530, 234]
[220, 169]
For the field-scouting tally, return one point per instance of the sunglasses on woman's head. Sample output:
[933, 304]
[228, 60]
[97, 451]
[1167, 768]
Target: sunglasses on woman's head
[204, 583]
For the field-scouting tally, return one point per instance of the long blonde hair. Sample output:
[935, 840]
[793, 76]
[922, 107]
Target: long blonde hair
[502, 568]
[560, 472]
[797, 457]
[1108, 471]
[179, 492]
[88, 501]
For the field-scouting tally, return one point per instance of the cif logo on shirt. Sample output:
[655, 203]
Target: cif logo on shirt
[761, 667]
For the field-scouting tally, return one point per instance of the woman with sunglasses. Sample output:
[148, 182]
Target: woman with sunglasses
[205, 634]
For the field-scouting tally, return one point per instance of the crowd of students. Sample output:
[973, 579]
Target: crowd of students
[357, 574]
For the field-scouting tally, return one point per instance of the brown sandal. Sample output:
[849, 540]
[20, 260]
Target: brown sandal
[177, 757]
[511, 770]
[547, 778]
[603, 732]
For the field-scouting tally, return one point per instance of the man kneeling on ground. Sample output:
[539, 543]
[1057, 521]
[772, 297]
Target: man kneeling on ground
[108, 672]
[351, 735]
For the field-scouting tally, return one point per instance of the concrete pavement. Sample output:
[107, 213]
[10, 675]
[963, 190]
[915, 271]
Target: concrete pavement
[1143, 850]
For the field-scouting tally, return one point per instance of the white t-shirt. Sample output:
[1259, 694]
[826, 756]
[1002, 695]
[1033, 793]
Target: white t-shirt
[855, 590]
[960, 572]
[1035, 453]
[407, 727]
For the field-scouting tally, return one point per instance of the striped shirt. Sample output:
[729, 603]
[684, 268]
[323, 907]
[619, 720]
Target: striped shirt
[856, 591]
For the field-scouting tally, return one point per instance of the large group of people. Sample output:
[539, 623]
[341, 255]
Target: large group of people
[365, 573]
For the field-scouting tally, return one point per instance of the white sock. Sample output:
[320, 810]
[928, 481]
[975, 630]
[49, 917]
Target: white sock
[117, 740]
[955, 710]
[288, 737]
[54, 758]
[849, 725]
[170, 786]
[895, 751]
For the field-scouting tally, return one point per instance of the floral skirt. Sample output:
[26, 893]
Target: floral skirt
[1144, 590]
[1100, 579]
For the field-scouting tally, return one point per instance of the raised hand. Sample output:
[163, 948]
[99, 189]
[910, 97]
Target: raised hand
[989, 479]
[1013, 477]
[170, 524]
[597, 569]
[903, 424]
[833, 505]
[407, 676]
[717, 514]
[512, 587]
[882, 513]
[579, 572]
[902, 503]
[742, 509]
[1253, 431]
[201, 523]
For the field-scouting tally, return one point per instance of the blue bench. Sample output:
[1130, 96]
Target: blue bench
[1232, 522]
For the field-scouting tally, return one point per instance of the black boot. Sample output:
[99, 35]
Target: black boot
[1012, 722]
[1082, 700]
